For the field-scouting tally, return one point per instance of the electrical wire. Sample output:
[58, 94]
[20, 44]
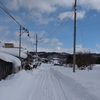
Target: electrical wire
[4, 16]
[6, 11]
[31, 42]
[53, 32]
[60, 26]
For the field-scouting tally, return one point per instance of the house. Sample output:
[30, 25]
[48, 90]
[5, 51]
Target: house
[8, 45]
[24, 57]
[44, 60]
[8, 64]
[56, 61]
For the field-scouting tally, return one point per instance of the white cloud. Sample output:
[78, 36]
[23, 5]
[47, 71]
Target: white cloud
[37, 8]
[23, 34]
[70, 15]
[90, 4]
[2, 28]
[98, 45]
[95, 15]
[79, 48]
[16, 34]
[45, 40]
[7, 19]
[60, 44]
[41, 5]
[18, 18]
[49, 5]
[55, 42]
[12, 4]
[41, 34]
[58, 48]
[7, 32]
[65, 15]
[38, 17]
[80, 14]
[45, 20]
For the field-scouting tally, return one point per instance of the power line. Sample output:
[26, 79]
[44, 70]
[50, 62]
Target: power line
[3, 15]
[6, 11]
[31, 41]
[61, 25]
[21, 27]
[70, 14]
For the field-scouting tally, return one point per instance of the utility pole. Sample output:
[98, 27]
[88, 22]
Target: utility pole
[20, 33]
[74, 49]
[36, 44]
[20, 42]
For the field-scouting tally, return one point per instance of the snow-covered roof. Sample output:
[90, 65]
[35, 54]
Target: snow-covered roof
[13, 51]
[55, 58]
[9, 58]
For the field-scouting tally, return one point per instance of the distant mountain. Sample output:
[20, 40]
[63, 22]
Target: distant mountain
[51, 55]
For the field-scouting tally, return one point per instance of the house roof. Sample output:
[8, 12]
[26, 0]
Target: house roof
[10, 58]
[55, 58]
[13, 51]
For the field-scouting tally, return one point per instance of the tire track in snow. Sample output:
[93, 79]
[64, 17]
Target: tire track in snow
[48, 87]
[45, 88]
[52, 85]
[74, 90]
[36, 92]
[58, 90]
[48, 91]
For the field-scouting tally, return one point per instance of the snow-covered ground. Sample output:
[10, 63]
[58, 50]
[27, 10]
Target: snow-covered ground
[49, 82]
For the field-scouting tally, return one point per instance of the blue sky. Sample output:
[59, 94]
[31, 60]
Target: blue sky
[52, 21]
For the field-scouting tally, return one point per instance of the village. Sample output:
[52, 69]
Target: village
[31, 77]
[10, 62]
[49, 50]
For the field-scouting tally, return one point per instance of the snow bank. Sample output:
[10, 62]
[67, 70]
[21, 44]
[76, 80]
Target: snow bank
[18, 86]
[88, 79]
[9, 58]
[13, 51]
[49, 82]
[76, 89]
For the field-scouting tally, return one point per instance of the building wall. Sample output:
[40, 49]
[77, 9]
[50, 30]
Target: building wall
[9, 45]
[5, 69]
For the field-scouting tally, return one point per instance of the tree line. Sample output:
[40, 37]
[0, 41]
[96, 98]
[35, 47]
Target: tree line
[84, 60]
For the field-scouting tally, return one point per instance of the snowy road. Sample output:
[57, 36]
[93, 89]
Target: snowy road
[44, 83]
[48, 88]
